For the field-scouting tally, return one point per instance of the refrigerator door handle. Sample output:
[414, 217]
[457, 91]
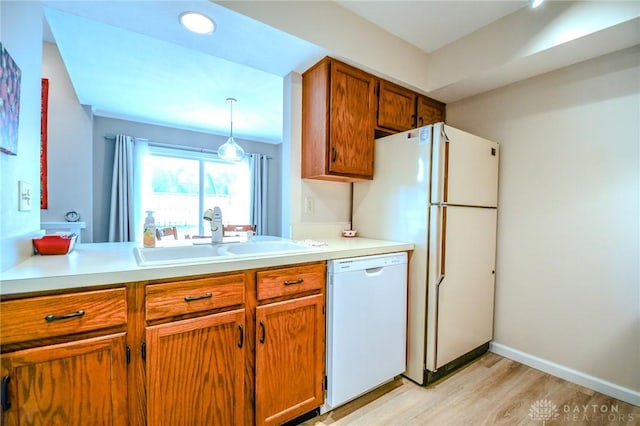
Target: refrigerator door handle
[443, 242]
[439, 242]
[439, 165]
[442, 249]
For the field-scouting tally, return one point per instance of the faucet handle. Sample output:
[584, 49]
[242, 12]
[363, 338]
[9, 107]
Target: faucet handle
[217, 214]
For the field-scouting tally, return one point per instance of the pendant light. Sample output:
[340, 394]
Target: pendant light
[230, 150]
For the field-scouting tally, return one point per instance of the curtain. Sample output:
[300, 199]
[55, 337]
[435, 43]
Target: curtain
[259, 167]
[125, 216]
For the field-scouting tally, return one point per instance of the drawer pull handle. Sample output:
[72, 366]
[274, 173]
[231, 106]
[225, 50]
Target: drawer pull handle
[51, 318]
[298, 281]
[193, 298]
[5, 393]
[264, 332]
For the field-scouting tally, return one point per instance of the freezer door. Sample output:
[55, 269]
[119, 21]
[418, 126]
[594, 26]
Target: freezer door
[464, 168]
[461, 282]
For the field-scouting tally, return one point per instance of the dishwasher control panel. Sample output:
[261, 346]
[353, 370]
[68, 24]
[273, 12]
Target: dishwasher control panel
[365, 262]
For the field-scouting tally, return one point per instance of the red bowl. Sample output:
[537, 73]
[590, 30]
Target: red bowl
[54, 244]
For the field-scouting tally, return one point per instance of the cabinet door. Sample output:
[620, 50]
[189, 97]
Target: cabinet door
[289, 359]
[396, 107]
[76, 383]
[429, 111]
[195, 371]
[351, 117]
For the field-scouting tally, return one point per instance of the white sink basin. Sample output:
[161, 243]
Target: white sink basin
[199, 252]
[262, 247]
[172, 255]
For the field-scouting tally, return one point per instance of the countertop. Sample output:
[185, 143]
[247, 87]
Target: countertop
[112, 263]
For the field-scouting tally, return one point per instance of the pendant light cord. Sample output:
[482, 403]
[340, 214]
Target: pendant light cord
[231, 102]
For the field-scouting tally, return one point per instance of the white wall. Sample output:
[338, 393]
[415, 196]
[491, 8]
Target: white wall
[70, 149]
[568, 278]
[21, 35]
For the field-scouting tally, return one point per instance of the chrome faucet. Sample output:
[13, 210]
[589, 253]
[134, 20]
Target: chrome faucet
[214, 217]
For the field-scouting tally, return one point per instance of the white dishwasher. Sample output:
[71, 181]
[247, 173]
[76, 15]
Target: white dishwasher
[366, 324]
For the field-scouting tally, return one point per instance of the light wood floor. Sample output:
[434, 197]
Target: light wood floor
[490, 391]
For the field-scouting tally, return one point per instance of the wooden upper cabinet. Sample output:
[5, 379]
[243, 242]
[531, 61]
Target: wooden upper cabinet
[396, 107]
[338, 120]
[429, 111]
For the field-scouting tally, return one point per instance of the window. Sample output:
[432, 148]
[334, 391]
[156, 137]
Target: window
[179, 185]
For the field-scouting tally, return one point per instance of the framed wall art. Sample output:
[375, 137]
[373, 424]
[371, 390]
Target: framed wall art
[10, 75]
[44, 193]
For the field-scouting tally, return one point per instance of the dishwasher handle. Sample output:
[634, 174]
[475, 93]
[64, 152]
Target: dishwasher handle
[371, 272]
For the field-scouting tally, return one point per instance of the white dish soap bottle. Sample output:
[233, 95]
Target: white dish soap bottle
[149, 235]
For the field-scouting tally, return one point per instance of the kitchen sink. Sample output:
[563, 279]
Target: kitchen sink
[262, 247]
[203, 252]
[173, 255]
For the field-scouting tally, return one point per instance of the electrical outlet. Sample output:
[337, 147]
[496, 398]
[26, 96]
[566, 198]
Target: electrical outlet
[308, 205]
[24, 196]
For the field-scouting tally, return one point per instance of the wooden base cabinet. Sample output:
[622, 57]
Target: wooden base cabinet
[289, 359]
[195, 357]
[78, 383]
[239, 348]
[64, 359]
[195, 371]
[289, 342]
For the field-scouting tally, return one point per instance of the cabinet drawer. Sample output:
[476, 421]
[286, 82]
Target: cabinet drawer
[190, 296]
[286, 281]
[50, 316]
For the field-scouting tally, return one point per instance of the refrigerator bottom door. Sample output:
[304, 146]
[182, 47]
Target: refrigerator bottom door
[464, 288]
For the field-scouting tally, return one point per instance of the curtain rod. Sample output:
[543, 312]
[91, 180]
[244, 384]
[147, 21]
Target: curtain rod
[176, 146]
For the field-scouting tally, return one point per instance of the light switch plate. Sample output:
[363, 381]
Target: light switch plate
[24, 196]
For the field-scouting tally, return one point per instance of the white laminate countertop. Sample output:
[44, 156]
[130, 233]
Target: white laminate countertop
[111, 263]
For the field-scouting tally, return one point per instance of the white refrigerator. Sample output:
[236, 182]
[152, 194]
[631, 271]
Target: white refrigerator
[437, 186]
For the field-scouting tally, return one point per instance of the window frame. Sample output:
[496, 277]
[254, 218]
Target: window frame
[202, 156]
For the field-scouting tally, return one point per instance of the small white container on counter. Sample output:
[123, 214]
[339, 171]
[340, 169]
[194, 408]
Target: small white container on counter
[66, 227]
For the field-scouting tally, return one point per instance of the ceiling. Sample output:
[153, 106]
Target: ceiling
[133, 60]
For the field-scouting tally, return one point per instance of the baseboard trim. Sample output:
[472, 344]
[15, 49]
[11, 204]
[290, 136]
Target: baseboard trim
[566, 373]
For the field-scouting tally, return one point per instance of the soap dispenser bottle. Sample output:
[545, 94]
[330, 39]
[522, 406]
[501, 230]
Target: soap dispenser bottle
[149, 235]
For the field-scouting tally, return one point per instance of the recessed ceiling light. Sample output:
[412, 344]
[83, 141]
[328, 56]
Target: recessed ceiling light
[197, 22]
[536, 3]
